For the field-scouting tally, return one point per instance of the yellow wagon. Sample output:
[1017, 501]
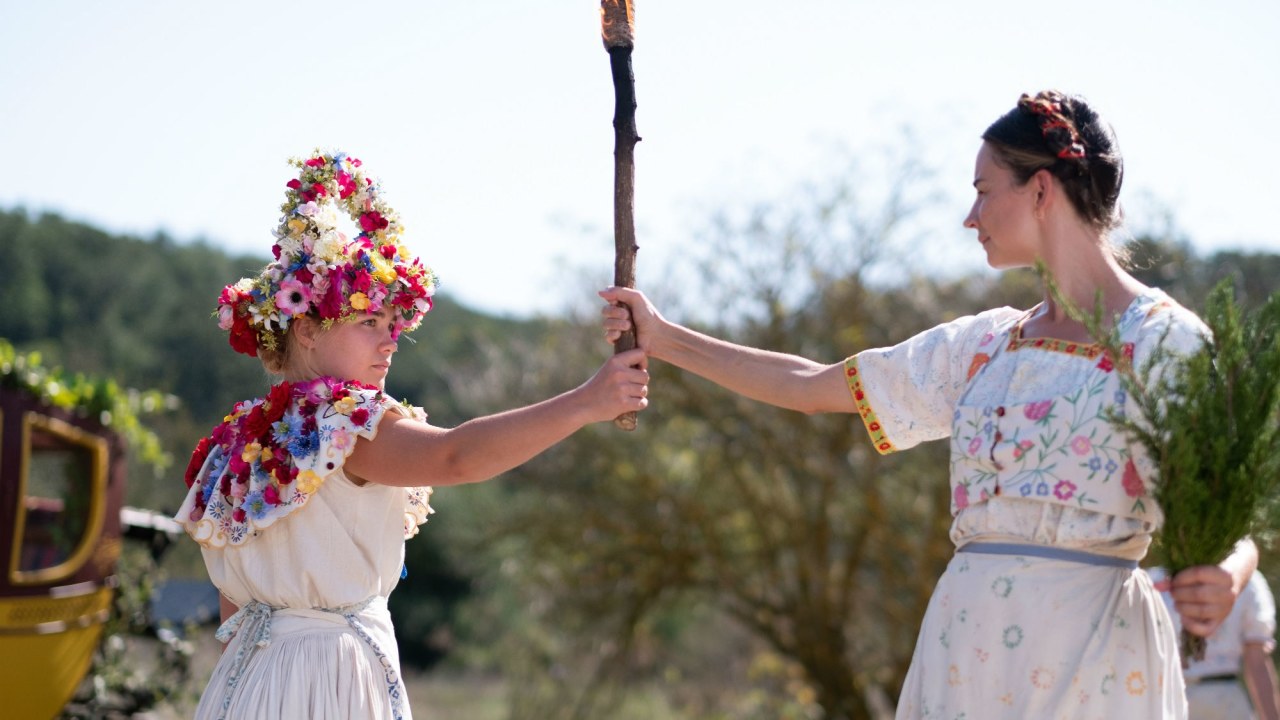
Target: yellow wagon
[61, 488]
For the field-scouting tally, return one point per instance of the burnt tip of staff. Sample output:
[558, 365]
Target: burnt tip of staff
[617, 23]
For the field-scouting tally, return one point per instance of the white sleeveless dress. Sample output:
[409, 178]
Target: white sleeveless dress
[310, 571]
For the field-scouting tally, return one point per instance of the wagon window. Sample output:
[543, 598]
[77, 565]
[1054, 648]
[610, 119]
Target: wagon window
[64, 473]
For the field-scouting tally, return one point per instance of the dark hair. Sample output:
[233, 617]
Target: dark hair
[1062, 134]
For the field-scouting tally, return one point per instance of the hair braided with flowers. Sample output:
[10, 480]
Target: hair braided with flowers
[319, 271]
[1059, 132]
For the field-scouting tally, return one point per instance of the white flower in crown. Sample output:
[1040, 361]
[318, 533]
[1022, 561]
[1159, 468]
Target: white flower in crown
[328, 247]
[327, 217]
[290, 247]
[317, 267]
[265, 316]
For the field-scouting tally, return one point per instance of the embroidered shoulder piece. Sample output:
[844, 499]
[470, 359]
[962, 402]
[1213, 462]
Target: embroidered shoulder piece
[270, 455]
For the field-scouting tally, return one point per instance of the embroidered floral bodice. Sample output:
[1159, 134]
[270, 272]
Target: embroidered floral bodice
[277, 517]
[1034, 455]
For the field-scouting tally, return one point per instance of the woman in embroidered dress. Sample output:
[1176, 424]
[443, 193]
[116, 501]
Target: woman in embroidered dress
[1042, 612]
[302, 500]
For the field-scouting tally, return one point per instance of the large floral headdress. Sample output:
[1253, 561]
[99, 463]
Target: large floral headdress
[317, 269]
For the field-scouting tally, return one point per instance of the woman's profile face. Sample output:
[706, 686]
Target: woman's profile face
[359, 349]
[1002, 213]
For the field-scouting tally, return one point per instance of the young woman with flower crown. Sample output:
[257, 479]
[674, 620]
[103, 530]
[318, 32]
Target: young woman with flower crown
[302, 500]
[1042, 613]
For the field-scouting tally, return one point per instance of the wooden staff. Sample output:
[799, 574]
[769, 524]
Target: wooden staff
[617, 22]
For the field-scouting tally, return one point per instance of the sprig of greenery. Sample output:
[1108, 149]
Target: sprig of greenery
[96, 398]
[1210, 420]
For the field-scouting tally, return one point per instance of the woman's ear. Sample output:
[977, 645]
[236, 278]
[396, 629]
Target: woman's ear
[1042, 186]
[305, 331]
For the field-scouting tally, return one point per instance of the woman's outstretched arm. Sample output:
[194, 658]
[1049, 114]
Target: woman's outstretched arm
[408, 452]
[787, 381]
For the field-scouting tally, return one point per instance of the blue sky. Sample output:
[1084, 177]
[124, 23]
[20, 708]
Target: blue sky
[488, 123]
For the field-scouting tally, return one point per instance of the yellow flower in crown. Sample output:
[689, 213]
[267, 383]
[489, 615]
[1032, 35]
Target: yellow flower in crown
[318, 270]
[383, 270]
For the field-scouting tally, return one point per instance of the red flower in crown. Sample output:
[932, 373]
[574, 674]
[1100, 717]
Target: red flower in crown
[372, 221]
[244, 339]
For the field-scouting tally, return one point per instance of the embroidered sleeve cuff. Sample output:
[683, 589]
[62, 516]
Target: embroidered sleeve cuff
[875, 429]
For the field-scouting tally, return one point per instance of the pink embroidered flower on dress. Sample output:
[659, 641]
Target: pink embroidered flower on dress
[341, 439]
[1037, 410]
[1064, 490]
[1080, 445]
[961, 497]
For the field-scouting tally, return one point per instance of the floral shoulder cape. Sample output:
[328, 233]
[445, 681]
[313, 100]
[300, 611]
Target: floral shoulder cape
[270, 455]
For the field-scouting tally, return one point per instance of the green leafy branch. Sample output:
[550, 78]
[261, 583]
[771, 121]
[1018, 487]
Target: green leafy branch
[99, 399]
[1209, 421]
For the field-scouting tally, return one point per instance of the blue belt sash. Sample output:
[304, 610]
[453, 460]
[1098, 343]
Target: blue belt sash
[1047, 552]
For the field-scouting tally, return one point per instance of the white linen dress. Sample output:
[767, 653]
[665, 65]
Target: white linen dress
[1042, 613]
[310, 571]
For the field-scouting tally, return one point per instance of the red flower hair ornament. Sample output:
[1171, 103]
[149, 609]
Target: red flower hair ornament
[1059, 132]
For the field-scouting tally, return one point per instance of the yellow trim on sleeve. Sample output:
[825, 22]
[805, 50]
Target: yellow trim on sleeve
[879, 438]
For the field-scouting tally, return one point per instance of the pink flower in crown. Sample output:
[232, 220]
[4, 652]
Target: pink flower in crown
[330, 306]
[346, 185]
[362, 280]
[294, 298]
[372, 220]
[226, 317]
[377, 294]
